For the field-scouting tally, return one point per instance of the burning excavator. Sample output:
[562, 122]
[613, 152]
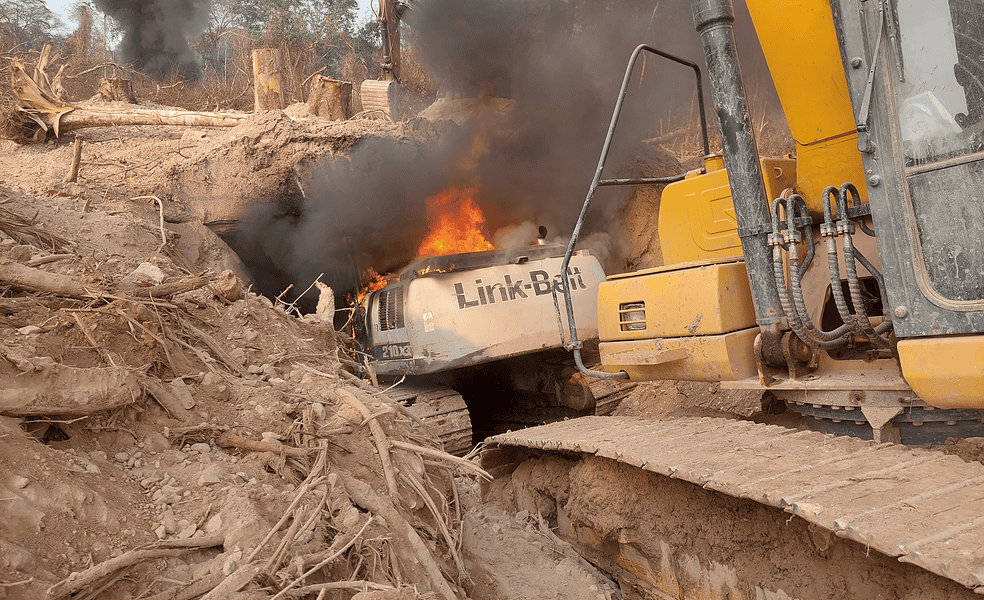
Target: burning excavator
[473, 328]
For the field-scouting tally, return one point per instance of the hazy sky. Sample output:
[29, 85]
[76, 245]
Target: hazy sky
[60, 7]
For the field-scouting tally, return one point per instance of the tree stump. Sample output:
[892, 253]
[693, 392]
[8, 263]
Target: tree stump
[267, 91]
[116, 89]
[330, 98]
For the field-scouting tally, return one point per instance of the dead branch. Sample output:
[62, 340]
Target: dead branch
[314, 478]
[326, 561]
[231, 440]
[157, 338]
[379, 436]
[193, 590]
[73, 172]
[166, 399]
[43, 260]
[233, 583]
[26, 279]
[358, 586]
[414, 553]
[467, 465]
[170, 289]
[160, 207]
[360, 383]
[25, 232]
[92, 342]
[206, 359]
[234, 365]
[78, 581]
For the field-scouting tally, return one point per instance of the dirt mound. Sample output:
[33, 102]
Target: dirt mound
[152, 411]
[165, 432]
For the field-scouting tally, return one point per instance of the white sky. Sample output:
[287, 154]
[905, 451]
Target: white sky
[60, 7]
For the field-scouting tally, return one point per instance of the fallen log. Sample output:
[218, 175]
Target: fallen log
[92, 575]
[67, 391]
[26, 279]
[41, 112]
[169, 289]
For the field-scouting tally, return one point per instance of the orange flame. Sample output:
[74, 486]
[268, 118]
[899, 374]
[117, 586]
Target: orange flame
[455, 224]
[373, 281]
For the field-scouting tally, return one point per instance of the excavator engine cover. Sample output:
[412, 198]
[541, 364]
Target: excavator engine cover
[468, 309]
[692, 322]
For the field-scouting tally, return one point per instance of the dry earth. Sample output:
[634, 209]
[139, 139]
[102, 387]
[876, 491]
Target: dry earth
[79, 487]
[83, 485]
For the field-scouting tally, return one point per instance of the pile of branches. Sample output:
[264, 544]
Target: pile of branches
[397, 541]
[376, 509]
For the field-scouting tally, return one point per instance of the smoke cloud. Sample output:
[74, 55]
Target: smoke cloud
[560, 64]
[156, 34]
[365, 210]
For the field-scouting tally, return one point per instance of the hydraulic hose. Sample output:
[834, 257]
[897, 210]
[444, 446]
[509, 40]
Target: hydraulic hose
[829, 232]
[799, 321]
[846, 227]
[793, 205]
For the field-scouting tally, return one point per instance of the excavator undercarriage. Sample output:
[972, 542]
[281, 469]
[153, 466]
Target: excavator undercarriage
[693, 508]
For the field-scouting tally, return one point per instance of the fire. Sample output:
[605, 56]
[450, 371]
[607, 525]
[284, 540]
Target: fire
[455, 223]
[373, 281]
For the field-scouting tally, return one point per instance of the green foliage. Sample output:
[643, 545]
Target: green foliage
[27, 24]
[326, 27]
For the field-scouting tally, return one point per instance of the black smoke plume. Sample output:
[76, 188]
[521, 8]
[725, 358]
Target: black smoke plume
[558, 64]
[156, 34]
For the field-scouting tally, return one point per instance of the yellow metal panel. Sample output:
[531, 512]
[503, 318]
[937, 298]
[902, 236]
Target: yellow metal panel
[726, 357]
[945, 372]
[697, 216]
[829, 163]
[800, 45]
[706, 300]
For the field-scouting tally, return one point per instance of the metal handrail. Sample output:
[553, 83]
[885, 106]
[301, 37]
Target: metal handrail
[575, 345]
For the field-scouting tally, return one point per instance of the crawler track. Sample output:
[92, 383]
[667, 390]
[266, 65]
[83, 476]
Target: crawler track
[440, 408]
[916, 506]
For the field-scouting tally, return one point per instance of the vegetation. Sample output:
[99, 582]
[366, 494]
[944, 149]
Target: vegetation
[323, 36]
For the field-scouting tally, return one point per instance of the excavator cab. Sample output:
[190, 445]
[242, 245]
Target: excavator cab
[916, 74]
[848, 280]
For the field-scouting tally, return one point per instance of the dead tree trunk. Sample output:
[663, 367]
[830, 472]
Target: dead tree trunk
[115, 89]
[267, 89]
[330, 98]
[73, 172]
[39, 112]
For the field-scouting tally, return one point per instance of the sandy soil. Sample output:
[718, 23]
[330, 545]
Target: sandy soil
[80, 489]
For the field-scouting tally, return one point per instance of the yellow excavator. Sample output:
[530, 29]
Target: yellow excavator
[846, 282]
[383, 95]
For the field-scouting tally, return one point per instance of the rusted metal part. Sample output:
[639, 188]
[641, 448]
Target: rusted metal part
[919, 506]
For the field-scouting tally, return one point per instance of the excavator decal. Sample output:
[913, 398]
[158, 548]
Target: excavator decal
[539, 284]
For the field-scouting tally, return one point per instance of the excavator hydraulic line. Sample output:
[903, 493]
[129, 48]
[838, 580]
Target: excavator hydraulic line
[714, 20]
